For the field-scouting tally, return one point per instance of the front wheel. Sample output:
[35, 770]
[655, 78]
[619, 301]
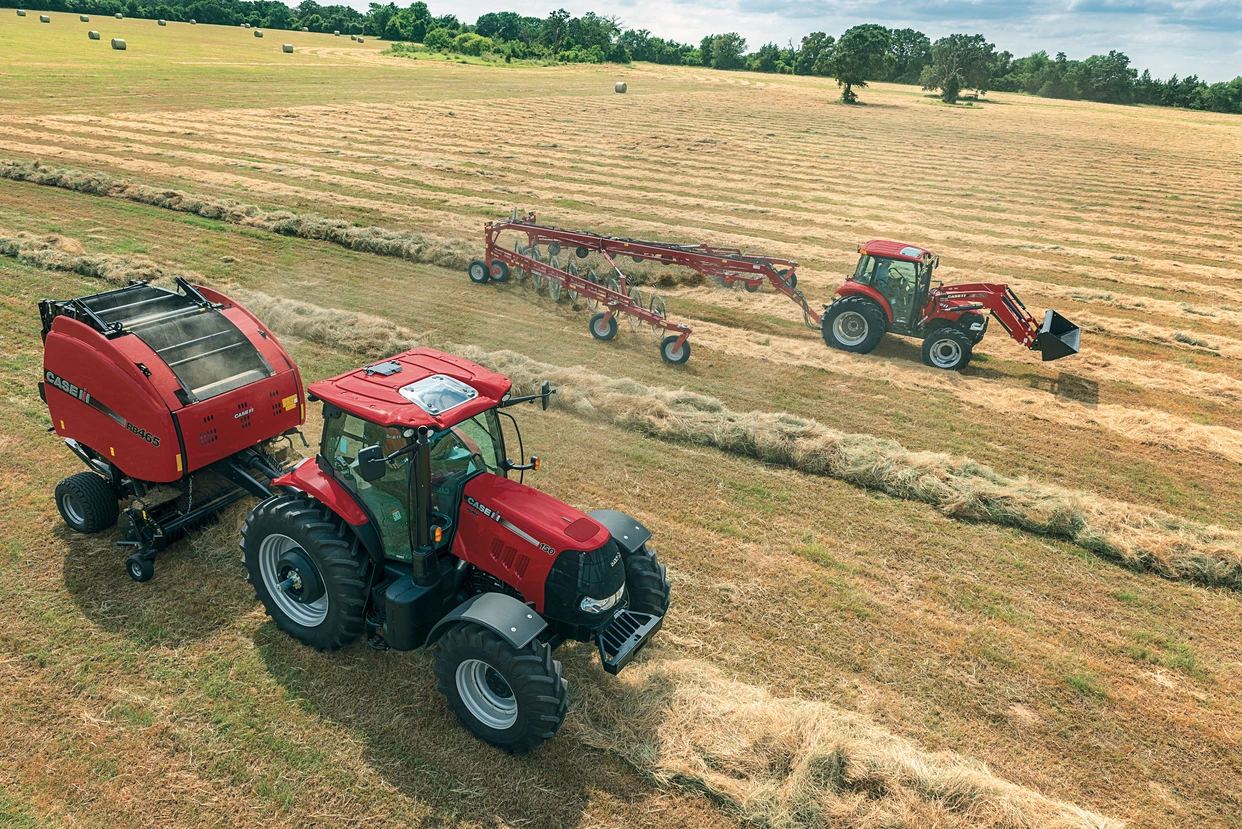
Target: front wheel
[308, 570]
[947, 348]
[646, 582]
[512, 698]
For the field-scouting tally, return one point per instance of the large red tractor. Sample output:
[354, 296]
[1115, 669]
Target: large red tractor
[405, 526]
[891, 291]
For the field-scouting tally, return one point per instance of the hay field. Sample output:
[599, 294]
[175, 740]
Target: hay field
[1111, 689]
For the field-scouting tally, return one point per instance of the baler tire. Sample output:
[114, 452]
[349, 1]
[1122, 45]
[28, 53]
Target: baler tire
[92, 504]
[529, 676]
[139, 567]
[671, 353]
[340, 560]
[865, 308]
[602, 330]
[646, 582]
[955, 357]
[478, 272]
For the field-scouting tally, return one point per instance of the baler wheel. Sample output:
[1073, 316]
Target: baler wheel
[308, 570]
[603, 327]
[671, 353]
[646, 581]
[513, 698]
[87, 503]
[139, 567]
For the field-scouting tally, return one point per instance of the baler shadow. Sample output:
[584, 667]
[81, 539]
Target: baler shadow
[199, 585]
[390, 702]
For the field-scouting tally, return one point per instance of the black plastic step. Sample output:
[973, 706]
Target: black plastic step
[624, 637]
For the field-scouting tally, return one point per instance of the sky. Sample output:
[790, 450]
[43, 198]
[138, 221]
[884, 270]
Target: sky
[1183, 37]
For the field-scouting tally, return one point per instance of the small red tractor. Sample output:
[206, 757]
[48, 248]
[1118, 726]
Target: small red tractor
[405, 526]
[890, 290]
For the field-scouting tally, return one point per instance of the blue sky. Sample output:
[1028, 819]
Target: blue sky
[1202, 37]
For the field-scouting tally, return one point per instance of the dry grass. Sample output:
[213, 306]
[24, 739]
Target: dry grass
[786, 763]
[54, 252]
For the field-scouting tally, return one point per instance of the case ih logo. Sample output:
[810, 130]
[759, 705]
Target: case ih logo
[490, 513]
[82, 394]
[240, 415]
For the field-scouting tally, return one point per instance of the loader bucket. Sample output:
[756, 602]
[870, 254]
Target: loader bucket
[1058, 337]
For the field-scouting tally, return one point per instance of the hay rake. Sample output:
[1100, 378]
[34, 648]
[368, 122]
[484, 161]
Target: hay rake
[727, 266]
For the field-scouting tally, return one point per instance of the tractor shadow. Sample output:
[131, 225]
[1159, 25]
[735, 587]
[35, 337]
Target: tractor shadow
[390, 703]
[199, 585]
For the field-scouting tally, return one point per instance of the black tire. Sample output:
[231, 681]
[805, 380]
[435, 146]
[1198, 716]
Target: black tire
[947, 348]
[478, 272]
[671, 353]
[646, 582]
[500, 271]
[87, 503]
[334, 557]
[533, 695]
[603, 327]
[967, 320]
[140, 569]
[582, 252]
[752, 287]
[854, 324]
[790, 279]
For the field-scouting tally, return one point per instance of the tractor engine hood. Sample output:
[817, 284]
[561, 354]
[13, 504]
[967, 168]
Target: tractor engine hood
[537, 518]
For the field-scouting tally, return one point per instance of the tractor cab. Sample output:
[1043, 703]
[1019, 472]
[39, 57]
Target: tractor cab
[899, 276]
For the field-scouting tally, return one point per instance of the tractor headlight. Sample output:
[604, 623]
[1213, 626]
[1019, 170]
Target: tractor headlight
[600, 605]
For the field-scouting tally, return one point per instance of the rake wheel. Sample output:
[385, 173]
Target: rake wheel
[660, 310]
[613, 284]
[572, 269]
[593, 278]
[636, 324]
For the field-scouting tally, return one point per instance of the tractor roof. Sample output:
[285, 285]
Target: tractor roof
[895, 250]
[423, 387]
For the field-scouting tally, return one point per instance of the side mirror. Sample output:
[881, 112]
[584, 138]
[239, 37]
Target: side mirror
[371, 465]
[545, 392]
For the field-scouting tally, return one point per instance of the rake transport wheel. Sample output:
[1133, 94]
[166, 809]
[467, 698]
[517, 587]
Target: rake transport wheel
[582, 252]
[479, 272]
[790, 279]
[660, 310]
[670, 351]
[308, 570]
[947, 348]
[752, 287]
[513, 698]
[87, 503]
[636, 324]
[854, 324]
[646, 582]
[500, 271]
[603, 327]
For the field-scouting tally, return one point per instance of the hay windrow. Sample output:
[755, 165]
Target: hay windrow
[786, 762]
[416, 247]
[53, 252]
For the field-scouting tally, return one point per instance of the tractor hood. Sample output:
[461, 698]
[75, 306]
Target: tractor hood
[536, 518]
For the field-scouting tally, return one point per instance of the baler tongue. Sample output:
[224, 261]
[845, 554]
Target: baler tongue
[1058, 337]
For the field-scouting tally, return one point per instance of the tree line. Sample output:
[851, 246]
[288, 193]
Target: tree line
[951, 66]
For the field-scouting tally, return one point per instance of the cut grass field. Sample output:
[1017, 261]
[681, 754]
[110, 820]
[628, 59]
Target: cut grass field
[177, 703]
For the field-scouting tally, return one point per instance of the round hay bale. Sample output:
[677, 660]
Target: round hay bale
[43, 18]
[120, 16]
[287, 48]
[118, 44]
[93, 35]
[362, 40]
[353, 37]
[21, 12]
[245, 25]
[193, 22]
[621, 87]
[258, 33]
[305, 29]
[84, 18]
[162, 22]
[336, 34]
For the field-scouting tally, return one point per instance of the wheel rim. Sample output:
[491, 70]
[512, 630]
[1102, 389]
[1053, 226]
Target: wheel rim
[73, 508]
[478, 272]
[486, 694]
[602, 328]
[946, 353]
[135, 570]
[674, 351]
[270, 550]
[850, 328]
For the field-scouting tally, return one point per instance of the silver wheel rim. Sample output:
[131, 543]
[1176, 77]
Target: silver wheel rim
[850, 328]
[674, 351]
[486, 694]
[73, 508]
[602, 327]
[946, 353]
[479, 272]
[270, 550]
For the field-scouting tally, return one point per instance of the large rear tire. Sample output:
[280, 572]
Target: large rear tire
[308, 570]
[87, 503]
[854, 324]
[513, 698]
[646, 582]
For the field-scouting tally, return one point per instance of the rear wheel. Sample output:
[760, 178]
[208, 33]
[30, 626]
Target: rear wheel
[479, 271]
[672, 352]
[947, 348]
[512, 698]
[308, 570]
[646, 582]
[854, 324]
[87, 503]
[500, 271]
[603, 327]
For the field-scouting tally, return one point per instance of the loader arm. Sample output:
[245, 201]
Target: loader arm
[1055, 338]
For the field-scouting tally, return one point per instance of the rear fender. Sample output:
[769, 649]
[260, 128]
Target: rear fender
[504, 615]
[309, 478]
[852, 288]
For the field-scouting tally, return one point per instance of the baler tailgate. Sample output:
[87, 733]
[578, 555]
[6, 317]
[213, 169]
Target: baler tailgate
[206, 351]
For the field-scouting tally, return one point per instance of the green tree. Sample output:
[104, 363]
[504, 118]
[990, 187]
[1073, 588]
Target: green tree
[1107, 78]
[860, 55]
[724, 51]
[969, 57]
[812, 57]
[911, 51]
[555, 29]
[766, 59]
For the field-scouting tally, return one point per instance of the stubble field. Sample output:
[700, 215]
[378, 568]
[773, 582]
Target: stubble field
[1105, 686]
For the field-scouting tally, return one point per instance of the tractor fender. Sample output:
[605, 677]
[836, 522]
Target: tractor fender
[310, 478]
[504, 615]
[852, 288]
[626, 532]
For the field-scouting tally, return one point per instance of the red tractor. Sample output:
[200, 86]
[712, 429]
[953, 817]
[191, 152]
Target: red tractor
[405, 526]
[890, 290]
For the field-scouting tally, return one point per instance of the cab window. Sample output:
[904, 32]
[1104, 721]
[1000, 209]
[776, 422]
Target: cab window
[461, 451]
[388, 498]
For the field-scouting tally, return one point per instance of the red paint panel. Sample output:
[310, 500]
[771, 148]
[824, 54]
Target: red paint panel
[309, 478]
